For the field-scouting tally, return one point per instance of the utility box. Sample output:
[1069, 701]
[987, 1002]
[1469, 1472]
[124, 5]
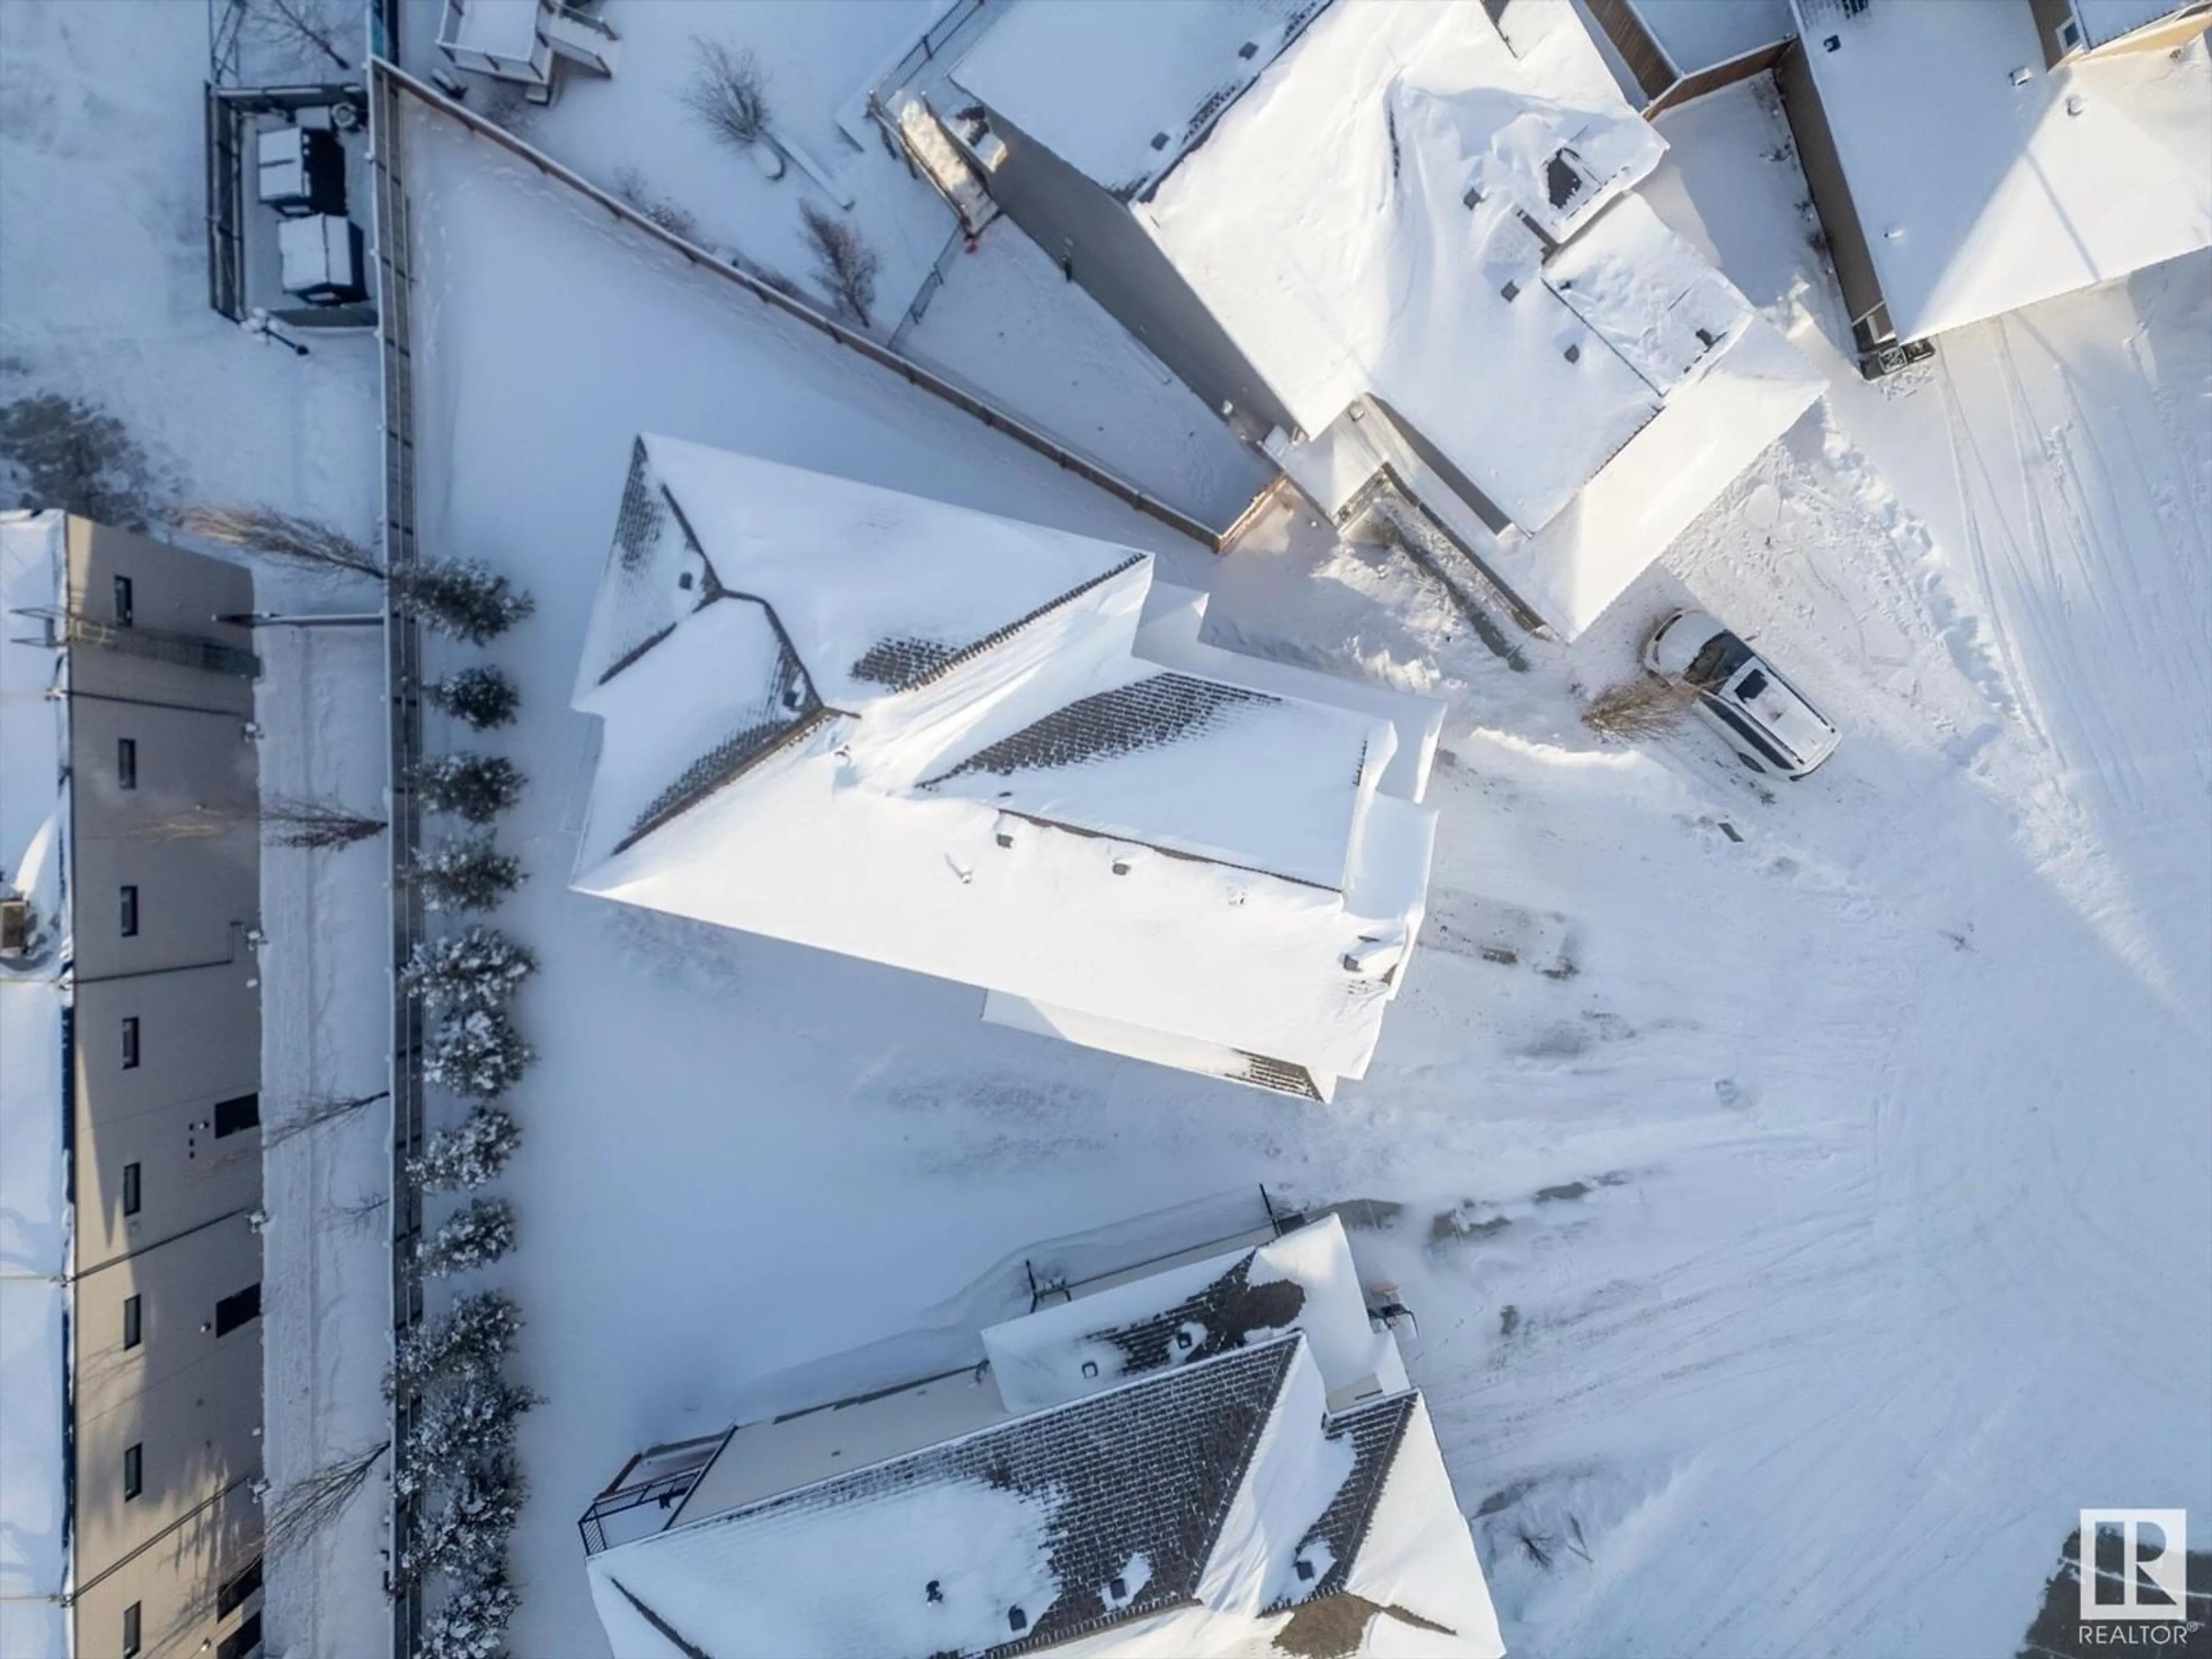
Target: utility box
[299, 171]
[321, 255]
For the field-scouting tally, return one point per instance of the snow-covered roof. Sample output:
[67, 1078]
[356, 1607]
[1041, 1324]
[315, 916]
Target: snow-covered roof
[1405, 213]
[1304, 1280]
[1118, 104]
[34, 1213]
[1353, 220]
[911, 731]
[1194, 1508]
[1979, 192]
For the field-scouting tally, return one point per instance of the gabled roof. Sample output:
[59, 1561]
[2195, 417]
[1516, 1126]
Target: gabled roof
[910, 732]
[1213, 1507]
[1016, 1536]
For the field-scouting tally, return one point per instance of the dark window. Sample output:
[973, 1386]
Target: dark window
[1718, 658]
[129, 912]
[130, 1041]
[133, 1322]
[126, 763]
[234, 1310]
[1751, 685]
[238, 1112]
[1563, 180]
[130, 1632]
[227, 1599]
[123, 608]
[242, 1641]
[131, 1194]
[134, 1470]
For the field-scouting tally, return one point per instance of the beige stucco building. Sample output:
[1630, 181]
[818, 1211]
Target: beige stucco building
[130, 1143]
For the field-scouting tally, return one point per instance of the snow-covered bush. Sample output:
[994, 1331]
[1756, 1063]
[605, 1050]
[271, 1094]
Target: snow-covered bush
[477, 1053]
[483, 697]
[466, 1534]
[471, 1418]
[468, 874]
[470, 1340]
[468, 1155]
[472, 1622]
[475, 1236]
[462, 599]
[477, 787]
[478, 968]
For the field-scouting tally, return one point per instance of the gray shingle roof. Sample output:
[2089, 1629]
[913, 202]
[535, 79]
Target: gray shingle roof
[1149, 1470]
[1377, 1430]
[1225, 1315]
[1161, 708]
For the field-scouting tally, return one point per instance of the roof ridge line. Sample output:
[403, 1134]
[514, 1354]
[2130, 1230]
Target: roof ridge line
[1288, 1343]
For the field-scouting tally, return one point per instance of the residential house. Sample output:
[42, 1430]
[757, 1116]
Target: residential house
[1399, 246]
[1971, 158]
[130, 1067]
[1215, 1453]
[997, 753]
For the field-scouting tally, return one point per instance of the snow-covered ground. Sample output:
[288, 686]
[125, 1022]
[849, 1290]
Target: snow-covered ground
[1790, 1272]
[1005, 321]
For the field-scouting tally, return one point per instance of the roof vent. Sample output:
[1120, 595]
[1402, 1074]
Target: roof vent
[1160, 140]
[1118, 1587]
[1511, 291]
[1574, 354]
[1250, 49]
[1833, 43]
[1305, 1568]
[933, 1590]
[1017, 1619]
[2022, 76]
[1090, 1368]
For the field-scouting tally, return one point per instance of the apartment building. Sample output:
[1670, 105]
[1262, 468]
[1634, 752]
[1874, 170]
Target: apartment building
[130, 1145]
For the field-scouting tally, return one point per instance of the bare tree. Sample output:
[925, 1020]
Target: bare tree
[288, 821]
[282, 536]
[312, 1502]
[1646, 707]
[293, 24]
[313, 1113]
[727, 93]
[844, 262]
